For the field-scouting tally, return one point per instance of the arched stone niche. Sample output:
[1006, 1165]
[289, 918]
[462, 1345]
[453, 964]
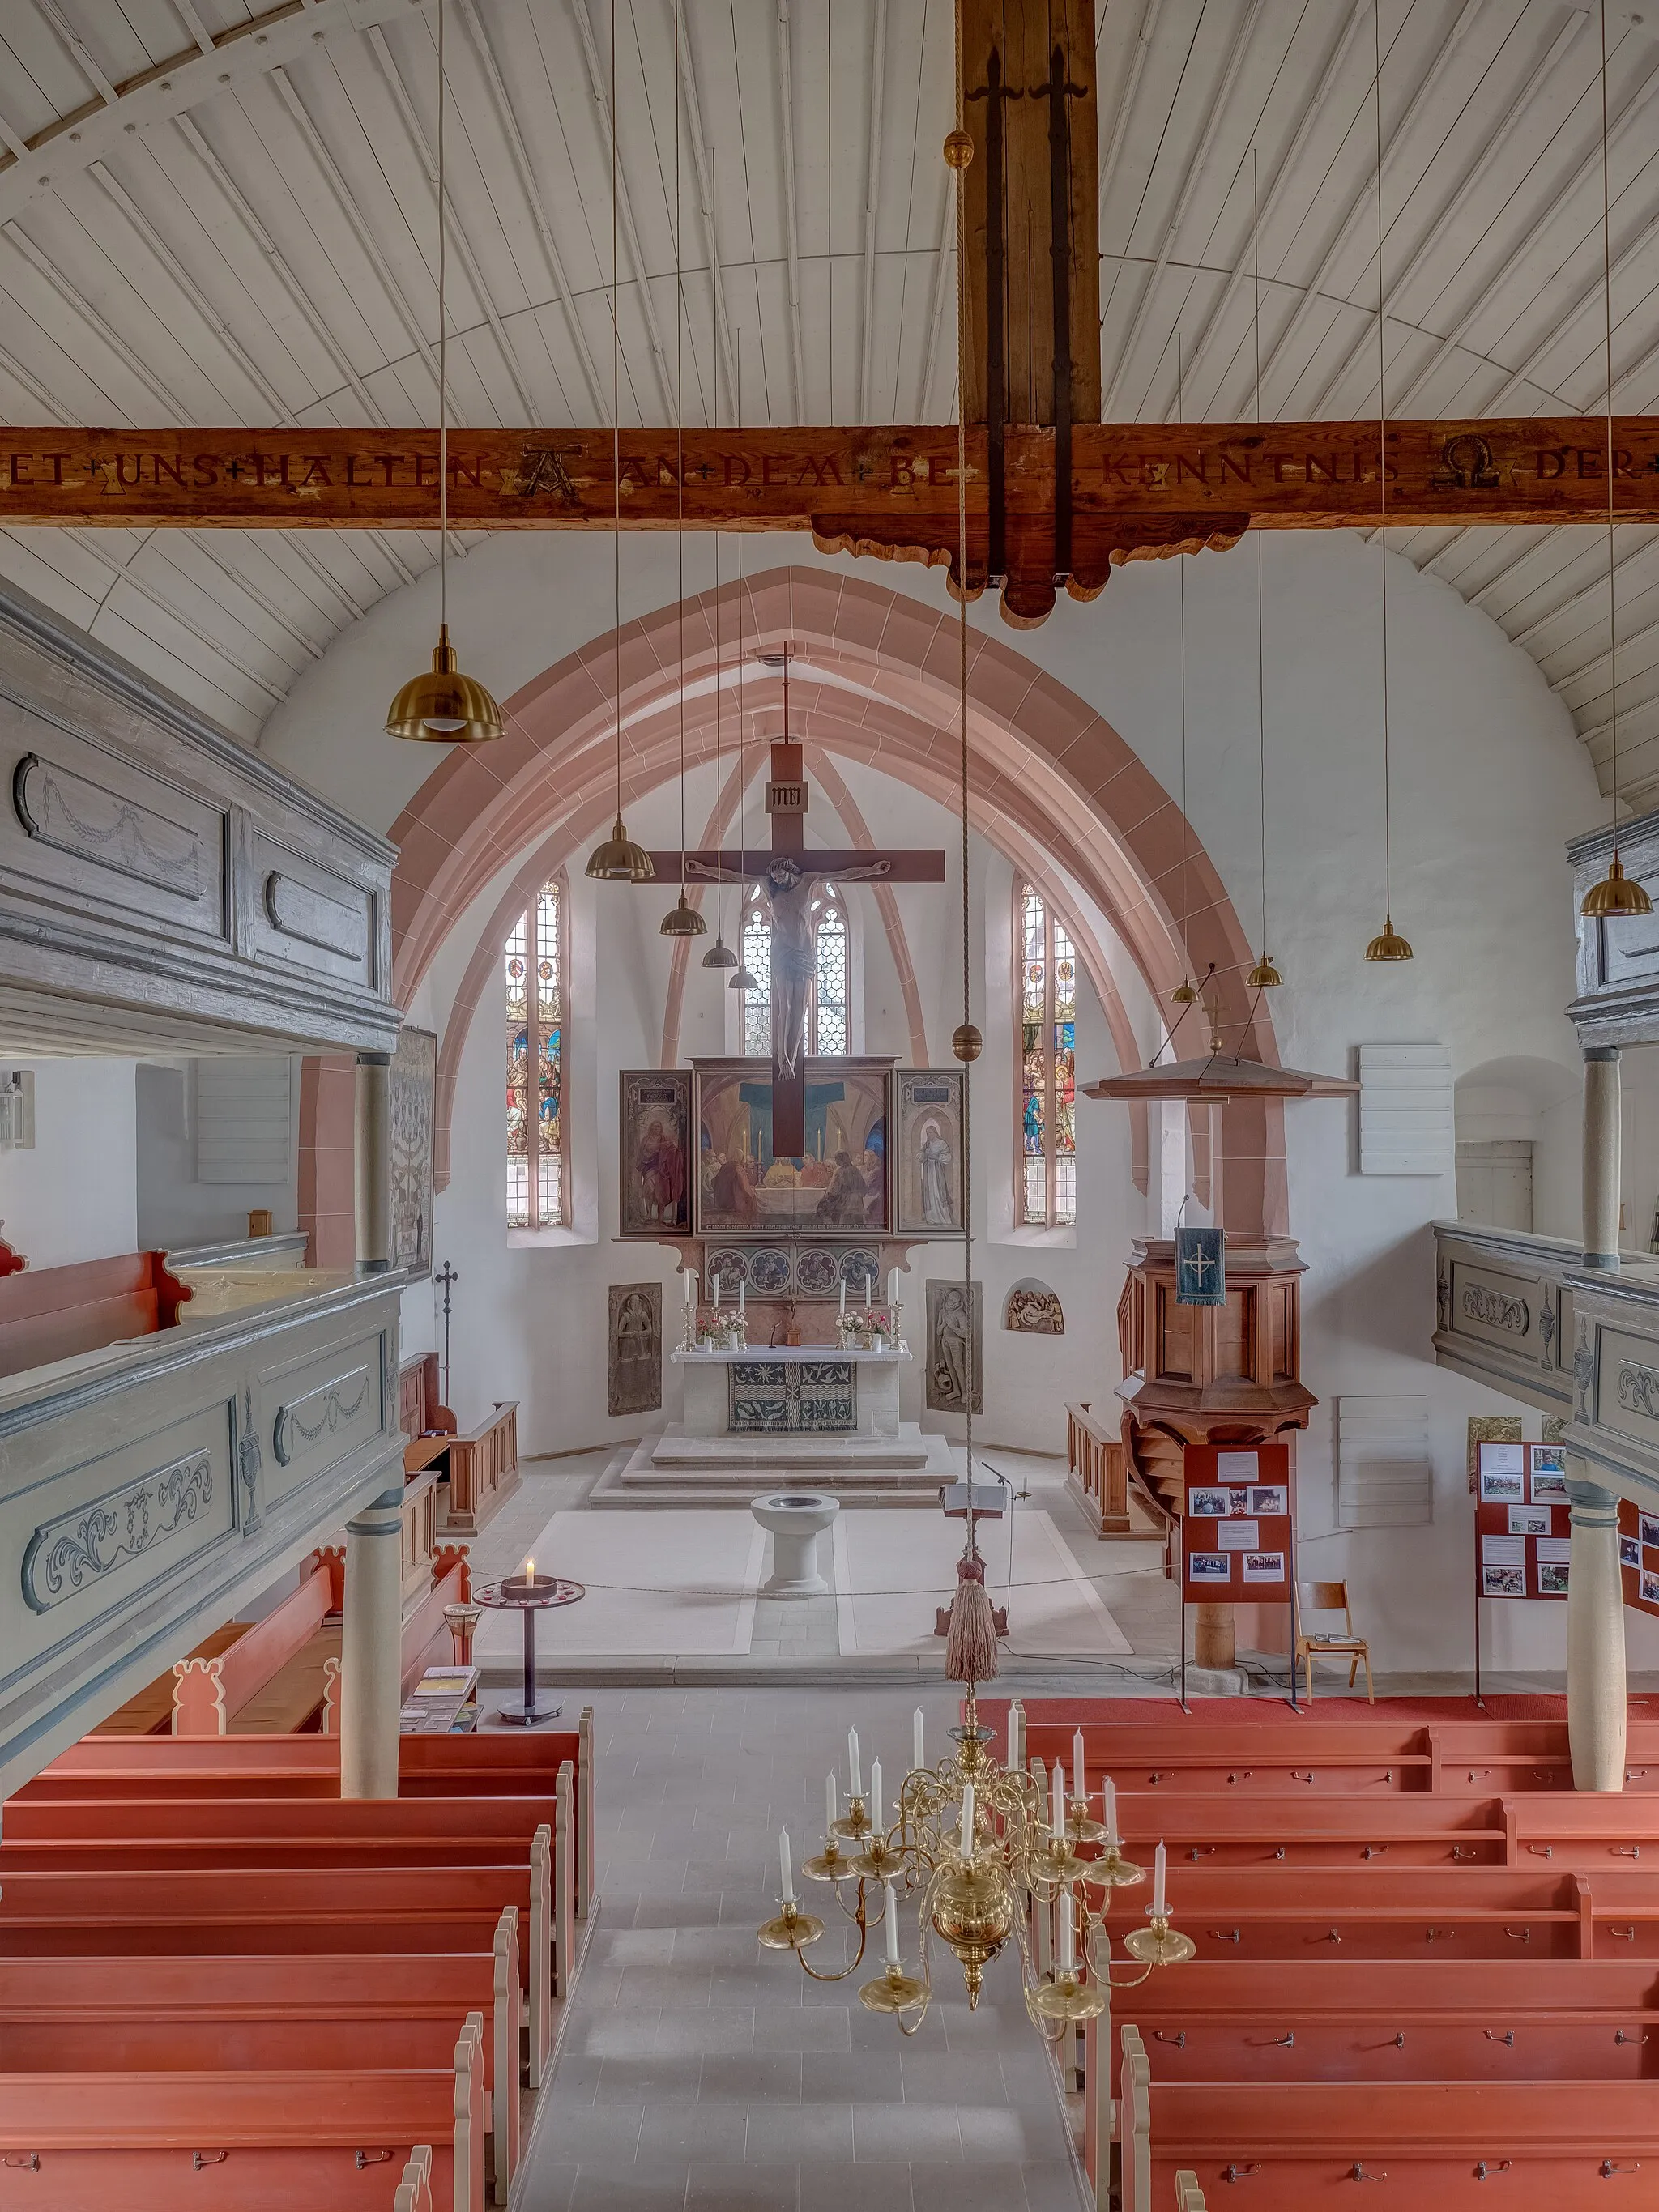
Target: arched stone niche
[1031, 1309]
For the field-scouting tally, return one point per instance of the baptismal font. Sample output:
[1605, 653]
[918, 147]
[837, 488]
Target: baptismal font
[981, 1854]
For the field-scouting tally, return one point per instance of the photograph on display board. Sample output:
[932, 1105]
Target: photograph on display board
[1552, 1578]
[1630, 1552]
[1649, 1587]
[1267, 1498]
[1210, 1567]
[1207, 1505]
[1650, 1529]
[1503, 1581]
[1264, 1566]
[1501, 1486]
[1549, 1473]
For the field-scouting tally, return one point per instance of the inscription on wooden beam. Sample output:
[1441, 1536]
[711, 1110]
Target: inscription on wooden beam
[1138, 490]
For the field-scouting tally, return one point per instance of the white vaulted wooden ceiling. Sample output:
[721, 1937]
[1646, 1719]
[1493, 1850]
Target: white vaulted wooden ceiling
[215, 213]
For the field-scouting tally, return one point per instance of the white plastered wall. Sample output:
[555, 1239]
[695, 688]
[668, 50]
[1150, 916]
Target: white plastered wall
[1488, 781]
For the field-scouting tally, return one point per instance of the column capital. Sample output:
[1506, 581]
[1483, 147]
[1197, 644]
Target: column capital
[384, 1059]
[1590, 1052]
[1592, 1506]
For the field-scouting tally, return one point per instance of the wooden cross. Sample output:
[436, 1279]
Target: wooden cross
[791, 875]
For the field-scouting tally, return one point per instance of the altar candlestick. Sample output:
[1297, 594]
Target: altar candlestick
[967, 1837]
[829, 1802]
[892, 1923]
[876, 1820]
[1108, 1808]
[854, 1773]
[1077, 1763]
[1057, 1800]
[1067, 1935]
[1159, 1907]
[917, 1755]
[788, 1870]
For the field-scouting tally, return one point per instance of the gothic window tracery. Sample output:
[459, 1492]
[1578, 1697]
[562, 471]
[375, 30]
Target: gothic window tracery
[533, 964]
[1045, 1013]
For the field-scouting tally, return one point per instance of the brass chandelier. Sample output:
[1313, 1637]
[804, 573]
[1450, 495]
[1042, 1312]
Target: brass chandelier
[986, 1860]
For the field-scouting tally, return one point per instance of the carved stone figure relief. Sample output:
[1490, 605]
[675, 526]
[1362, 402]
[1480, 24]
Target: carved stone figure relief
[635, 1347]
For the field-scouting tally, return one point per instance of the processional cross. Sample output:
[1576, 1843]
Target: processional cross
[790, 875]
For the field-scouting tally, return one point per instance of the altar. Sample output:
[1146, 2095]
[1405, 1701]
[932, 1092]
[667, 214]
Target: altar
[792, 1390]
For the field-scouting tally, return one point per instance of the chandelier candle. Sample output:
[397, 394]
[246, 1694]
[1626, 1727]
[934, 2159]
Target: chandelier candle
[1158, 1910]
[1108, 1811]
[917, 1757]
[1067, 1935]
[876, 1820]
[854, 1773]
[1057, 1802]
[789, 1869]
[829, 1802]
[891, 1895]
[1077, 1763]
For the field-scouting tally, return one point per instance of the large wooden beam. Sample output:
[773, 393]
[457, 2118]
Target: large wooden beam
[1138, 490]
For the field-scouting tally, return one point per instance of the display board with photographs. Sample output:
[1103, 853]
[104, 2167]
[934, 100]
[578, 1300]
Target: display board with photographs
[1522, 1539]
[1237, 1531]
[1638, 1556]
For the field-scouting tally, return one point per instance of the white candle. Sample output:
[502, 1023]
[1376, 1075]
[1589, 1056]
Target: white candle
[917, 1755]
[1057, 1800]
[966, 1836]
[843, 1297]
[740, 1292]
[892, 1286]
[789, 1871]
[1109, 1808]
[1078, 1790]
[854, 1773]
[892, 1925]
[876, 1820]
[686, 1279]
[870, 1288]
[1159, 1908]
[1067, 1935]
[829, 1802]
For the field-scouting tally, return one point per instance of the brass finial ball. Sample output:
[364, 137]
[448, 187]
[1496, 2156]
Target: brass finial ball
[958, 150]
[966, 1042]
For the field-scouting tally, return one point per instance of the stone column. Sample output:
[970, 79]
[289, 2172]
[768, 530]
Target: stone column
[1595, 1641]
[371, 1650]
[374, 1163]
[1602, 1156]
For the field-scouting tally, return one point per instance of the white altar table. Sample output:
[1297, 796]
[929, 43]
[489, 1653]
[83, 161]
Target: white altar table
[793, 1390]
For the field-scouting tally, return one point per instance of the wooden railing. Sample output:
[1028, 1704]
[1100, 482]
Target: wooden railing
[483, 1470]
[1100, 1478]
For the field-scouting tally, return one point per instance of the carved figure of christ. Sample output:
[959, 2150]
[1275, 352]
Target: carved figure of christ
[791, 875]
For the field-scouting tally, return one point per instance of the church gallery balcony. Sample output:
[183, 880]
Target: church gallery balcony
[217, 1426]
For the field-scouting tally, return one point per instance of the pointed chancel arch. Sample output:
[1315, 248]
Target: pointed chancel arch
[874, 680]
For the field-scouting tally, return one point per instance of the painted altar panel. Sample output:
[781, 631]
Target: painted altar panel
[927, 1153]
[653, 1153]
[413, 1088]
[840, 1185]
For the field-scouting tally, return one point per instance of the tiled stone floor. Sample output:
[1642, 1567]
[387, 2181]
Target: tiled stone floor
[699, 2074]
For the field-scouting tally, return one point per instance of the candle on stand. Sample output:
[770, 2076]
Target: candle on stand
[1108, 1808]
[829, 1802]
[1057, 1800]
[1078, 1790]
[1067, 1935]
[892, 1923]
[966, 1836]
[843, 1298]
[740, 1295]
[686, 1279]
[892, 1286]
[789, 1871]
[854, 1774]
[917, 1754]
[876, 1820]
[870, 1287]
[1159, 1909]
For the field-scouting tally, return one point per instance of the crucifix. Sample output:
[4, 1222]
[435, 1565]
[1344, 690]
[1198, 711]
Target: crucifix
[790, 875]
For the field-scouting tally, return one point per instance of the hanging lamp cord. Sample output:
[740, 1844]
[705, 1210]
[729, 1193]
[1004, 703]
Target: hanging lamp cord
[1607, 313]
[443, 344]
[971, 1365]
[1382, 466]
[616, 402]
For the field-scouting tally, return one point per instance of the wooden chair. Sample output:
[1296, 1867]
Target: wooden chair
[1317, 1644]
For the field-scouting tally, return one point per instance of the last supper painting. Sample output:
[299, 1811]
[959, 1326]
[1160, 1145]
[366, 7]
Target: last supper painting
[839, 1183]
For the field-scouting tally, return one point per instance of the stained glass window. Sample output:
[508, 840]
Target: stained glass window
[533, 966]
[1046, 995]
[829, 1016]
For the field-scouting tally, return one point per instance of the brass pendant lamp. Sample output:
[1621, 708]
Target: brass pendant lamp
[1387, 944]
[1616, 897]
[682, 919]
[441, 706]
[617, 860]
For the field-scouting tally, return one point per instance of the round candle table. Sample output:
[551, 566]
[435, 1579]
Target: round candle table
[528, 1594]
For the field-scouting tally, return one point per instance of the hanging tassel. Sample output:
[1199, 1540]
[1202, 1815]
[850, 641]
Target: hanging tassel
[970, 1647]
